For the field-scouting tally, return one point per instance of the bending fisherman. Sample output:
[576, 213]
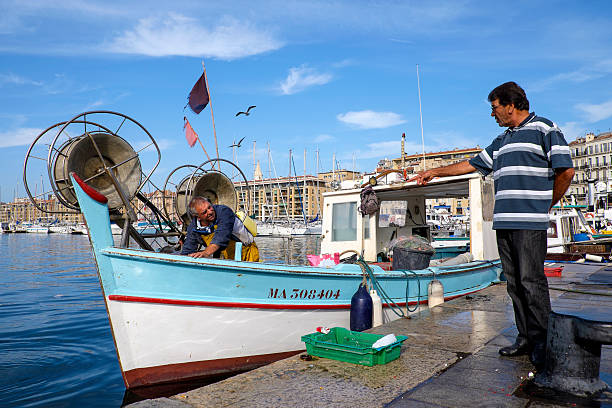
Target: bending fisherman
[218, 229]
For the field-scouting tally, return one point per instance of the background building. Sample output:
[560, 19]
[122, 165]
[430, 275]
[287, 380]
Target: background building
[22, 209]
[592, 157]
[284, 197]
[415, 163]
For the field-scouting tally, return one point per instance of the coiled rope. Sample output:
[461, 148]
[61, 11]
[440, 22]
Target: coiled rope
[367, 271]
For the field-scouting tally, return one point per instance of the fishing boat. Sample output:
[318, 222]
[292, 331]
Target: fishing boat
[571, 237]
[177, 318]
[174, 317]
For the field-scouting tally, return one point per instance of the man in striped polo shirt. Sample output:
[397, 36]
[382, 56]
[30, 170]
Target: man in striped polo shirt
[532, 169]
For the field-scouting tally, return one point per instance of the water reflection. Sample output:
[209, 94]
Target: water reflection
[291, 250]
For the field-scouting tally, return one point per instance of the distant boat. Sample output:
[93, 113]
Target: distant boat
[61, 229]
[80, 229]
[283, 230]
[37, 229]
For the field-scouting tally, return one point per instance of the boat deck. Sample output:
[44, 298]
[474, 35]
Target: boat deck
[449, 360]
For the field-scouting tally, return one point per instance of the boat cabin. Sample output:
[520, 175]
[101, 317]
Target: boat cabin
[402, 212]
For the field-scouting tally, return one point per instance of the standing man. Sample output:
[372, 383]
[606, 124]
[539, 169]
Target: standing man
[218, 229]
[532, 169]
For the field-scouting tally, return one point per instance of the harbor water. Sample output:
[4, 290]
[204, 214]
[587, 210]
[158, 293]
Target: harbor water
[56, 347]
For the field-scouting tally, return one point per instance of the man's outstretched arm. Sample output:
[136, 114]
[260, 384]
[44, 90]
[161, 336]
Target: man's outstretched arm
[455, 169]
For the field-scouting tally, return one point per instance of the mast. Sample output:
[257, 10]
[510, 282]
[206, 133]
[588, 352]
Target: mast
[254, 168]
[421, 116]
[403, 151]
[271, 190]
[318, 193]
[304, 191]
[289, 202]
[334, 168]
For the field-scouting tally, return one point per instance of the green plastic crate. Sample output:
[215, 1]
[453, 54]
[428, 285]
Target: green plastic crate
[352, 347]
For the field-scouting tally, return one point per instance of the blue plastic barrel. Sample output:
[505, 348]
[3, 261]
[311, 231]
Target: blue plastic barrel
[361, 309]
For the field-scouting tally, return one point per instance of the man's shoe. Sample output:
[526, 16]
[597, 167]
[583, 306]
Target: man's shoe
[538, 356]
[519, 348]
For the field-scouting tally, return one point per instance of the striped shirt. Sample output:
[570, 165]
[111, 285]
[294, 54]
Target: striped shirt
[523, 160]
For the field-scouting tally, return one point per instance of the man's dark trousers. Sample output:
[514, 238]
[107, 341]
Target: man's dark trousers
[522, 254]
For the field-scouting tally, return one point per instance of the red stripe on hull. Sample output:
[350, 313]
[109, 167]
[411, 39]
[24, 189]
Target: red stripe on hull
[199, 370]
[125, 298]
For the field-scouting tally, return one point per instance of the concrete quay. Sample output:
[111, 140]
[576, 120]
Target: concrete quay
[449, 360]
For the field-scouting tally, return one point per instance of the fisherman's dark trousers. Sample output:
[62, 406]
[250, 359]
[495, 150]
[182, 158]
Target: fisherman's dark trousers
[522, 254]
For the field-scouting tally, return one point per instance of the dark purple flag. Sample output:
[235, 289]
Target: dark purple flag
[198, 97]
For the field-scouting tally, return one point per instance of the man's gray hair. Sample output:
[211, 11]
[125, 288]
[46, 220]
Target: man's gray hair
[197, 200]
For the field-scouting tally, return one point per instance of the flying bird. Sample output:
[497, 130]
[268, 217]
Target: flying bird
[247, 113]
[237, 144]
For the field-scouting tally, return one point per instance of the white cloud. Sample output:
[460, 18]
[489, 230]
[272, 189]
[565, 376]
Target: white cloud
[323, 138]
[379, 150]
[595, 113]
[572, 130]
[368, 119]
[13, 79]
[303, 77]
[18, 137]
[347, 62]
[583, 74]
[175, 34]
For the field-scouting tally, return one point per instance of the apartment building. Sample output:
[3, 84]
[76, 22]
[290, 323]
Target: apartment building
[418, 162]
[22, 209]
[592, 158]
[284, 197]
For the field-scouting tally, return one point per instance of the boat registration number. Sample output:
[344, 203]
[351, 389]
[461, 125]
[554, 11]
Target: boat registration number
[276, 293]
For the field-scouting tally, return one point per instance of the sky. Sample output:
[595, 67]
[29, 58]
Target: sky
[337, 77]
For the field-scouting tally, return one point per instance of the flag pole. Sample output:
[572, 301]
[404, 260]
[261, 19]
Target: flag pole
[197, 137]
[211, 114]
[205, 152]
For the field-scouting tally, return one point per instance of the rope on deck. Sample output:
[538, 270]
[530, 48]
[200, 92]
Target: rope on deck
[366, 270]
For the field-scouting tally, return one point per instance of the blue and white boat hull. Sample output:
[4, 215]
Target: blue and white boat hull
[175, 318]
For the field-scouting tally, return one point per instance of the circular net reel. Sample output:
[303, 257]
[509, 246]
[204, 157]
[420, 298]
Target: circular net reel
[219, 180]
[97, 146]
[90, 156]
[178, 181]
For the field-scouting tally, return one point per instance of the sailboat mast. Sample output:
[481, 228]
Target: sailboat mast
[271, 189]
[289, 195]
[304, 191]
[317, 190]
[254, 168]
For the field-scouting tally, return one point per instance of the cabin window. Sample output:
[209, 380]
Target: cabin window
[552, 230]
[366, 227]
[344, 222]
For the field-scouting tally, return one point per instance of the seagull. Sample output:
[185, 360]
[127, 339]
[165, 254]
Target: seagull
[237, 144]
[247, 113]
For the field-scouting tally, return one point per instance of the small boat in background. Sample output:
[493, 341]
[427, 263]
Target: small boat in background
[79, 229]
[61, 229]
[37, 229]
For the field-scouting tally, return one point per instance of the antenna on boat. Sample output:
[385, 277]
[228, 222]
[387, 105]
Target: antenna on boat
[421, 116]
